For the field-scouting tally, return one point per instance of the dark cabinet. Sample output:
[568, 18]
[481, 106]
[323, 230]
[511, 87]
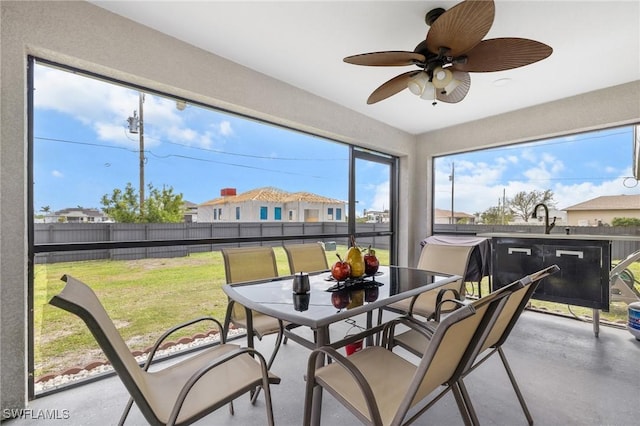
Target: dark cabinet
[584, 265]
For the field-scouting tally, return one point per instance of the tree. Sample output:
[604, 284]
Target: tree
[122, 206]
[522, 204]
[495, 216]
[161, 206]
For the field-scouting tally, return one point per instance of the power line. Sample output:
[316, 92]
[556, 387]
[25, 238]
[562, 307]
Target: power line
[216, 151]
[186, 157]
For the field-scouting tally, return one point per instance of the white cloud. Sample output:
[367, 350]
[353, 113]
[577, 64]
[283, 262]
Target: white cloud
[57, 174]
[225, 128]
[381, 197]
[105, 107]
[118, 134]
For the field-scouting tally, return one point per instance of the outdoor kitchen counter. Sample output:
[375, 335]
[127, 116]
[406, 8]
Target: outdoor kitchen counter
[584, 262]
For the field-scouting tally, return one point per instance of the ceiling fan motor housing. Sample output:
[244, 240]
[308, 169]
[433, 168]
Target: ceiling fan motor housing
[432, 15]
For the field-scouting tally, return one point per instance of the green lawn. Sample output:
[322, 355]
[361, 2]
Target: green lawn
[143, 297]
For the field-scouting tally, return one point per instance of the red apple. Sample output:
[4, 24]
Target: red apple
[340, 270]
[371, 263]
[340, 299]
[371, 294]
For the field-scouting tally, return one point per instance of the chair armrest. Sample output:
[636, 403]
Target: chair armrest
[361, 381]
[389, 329]
[440, 302]
[172, 330]
[184, 392]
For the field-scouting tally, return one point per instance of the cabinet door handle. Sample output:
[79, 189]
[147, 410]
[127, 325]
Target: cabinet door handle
[512, 250]
[580, 254]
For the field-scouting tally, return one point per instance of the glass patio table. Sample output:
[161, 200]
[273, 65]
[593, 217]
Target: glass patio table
[275, 297]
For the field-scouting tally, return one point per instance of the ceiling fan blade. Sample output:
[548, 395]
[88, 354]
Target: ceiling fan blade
[385, 59]
[499, 54]
[461, 27]
[459, 92]
[391, 87]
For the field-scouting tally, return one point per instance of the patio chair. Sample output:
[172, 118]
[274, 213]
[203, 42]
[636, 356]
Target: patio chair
[381, 387]
[182, 392]
[306, 257]
[250, 264]
[520, 294]
[447, 259]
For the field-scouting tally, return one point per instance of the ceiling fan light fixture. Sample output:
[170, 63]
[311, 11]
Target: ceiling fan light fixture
[441, 77]
[429, 92]
[452, 85]
[418, 83]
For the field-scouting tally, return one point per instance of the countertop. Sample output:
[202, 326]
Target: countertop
[559, 236]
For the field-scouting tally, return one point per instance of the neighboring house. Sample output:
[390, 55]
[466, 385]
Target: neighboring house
[375, 216]
[444, 217]
[77, 215]
[271, 205]
[560, 215]
[190, 212]
[601, 210]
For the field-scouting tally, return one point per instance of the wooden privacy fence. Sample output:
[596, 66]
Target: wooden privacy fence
[105, 232]
[59, 233]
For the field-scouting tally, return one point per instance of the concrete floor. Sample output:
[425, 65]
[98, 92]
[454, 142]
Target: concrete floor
[567, 376]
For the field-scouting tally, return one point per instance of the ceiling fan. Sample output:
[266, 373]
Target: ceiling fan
[452, 49]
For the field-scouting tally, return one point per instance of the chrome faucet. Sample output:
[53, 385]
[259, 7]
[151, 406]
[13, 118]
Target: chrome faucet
[547, 227]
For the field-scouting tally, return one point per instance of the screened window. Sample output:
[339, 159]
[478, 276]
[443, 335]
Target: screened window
[159, 174]
[569, 173]
[330, 213]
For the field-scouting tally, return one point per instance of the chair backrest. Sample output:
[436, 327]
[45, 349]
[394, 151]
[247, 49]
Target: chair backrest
[448, 259]
[456, 337]
[249, 264]
[306, 257]
[79, 299]
[515, 305]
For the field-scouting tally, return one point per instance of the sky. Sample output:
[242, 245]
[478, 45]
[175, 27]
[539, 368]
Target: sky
[83, 150]
[575, 168]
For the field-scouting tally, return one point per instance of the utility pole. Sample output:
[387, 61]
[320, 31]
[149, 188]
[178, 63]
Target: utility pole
[452, 179]
[504, 203]
[141, 135]
[136, 125]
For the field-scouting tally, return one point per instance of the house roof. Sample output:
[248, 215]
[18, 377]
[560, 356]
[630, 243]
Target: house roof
[78, 211]
[447, 213]
[609, 202]
[274, 195]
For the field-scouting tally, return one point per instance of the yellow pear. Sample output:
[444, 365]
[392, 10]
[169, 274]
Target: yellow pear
[355, 260]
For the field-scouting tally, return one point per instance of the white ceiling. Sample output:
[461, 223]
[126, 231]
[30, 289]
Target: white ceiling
[596, 45]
